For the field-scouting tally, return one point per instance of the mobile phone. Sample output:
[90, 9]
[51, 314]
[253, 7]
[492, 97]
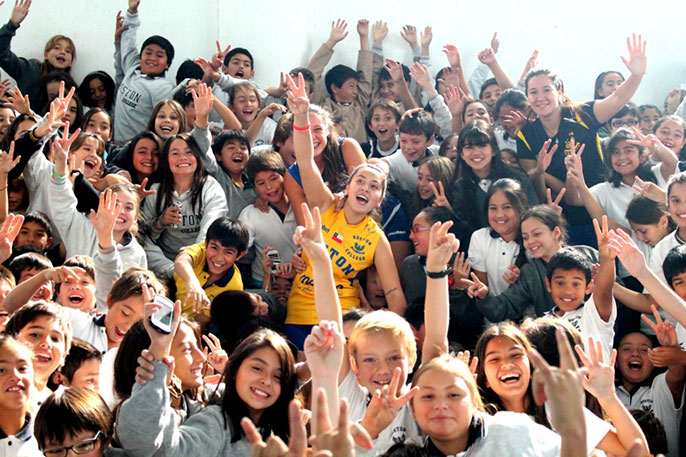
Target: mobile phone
[162, 319]
[276, 258]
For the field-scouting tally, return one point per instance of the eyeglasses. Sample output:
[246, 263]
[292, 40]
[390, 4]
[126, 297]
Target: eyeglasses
[416, 229]
[77, 448]
[617, 123]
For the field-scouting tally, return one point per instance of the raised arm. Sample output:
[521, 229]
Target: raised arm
[602, 294]
[321, 58]
[7, 163]
[636, 63]
[316, 191]
[442, 245]
[487, 57]
[635, 263]
[388, 274]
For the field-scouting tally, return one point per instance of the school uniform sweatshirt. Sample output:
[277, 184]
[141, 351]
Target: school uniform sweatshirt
[138, 93]
[148, 426]
[77, 231]
[191, 230]
[353, 115]
[25, 72]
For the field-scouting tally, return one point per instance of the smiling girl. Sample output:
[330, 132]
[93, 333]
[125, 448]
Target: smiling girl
[495, 252]
[16, 385]
[354, 237]
[481, 165]
[260, 382]
[565, 126]
[59, 54]
[186, 202]
[671, 131]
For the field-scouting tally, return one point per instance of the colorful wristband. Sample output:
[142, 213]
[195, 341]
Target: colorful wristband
[301, 129]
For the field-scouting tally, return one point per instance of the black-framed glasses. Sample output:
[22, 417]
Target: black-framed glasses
[77, 448]
[617, 123]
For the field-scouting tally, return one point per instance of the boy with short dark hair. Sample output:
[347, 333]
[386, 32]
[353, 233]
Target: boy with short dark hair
[81, 366]
[416, 135]
[78, 294]
[144, 83]
[383, 120]
[348, 92]
[28, 265]
[569, 281]
[36, 231]
[273, 229]
[204, 270]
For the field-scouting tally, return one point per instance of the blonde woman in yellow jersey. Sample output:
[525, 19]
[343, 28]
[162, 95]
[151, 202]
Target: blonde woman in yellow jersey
[354, 240]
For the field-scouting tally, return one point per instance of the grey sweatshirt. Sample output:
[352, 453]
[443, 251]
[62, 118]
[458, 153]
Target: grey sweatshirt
[138, 94]
[148, 426]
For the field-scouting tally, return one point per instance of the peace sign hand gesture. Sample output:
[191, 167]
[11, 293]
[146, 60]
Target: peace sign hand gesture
[442, 246]
[439, 196]
[476, 289]
[310, 236]
[298, 103]
[664, 330]
[555, 204]
[650, 190]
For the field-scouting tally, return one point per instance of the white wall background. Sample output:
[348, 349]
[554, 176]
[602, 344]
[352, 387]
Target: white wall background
[578, 38]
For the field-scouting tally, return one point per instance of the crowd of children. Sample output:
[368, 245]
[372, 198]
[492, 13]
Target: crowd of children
[399, 261]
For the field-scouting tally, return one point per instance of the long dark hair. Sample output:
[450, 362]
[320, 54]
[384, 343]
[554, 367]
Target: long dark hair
[84, 90]
[166, 191]
[333, 160]
[274, 419]
[145, 134]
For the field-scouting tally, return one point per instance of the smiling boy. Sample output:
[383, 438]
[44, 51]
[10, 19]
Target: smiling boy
[416, 135]
[204, 270]
[275, 227]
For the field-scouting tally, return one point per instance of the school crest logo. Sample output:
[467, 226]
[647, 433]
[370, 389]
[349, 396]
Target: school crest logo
[358, 248]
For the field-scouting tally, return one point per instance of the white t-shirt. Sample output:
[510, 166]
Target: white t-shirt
[492, 256]
[658, 400]
[401, 429]
[266, 133]
[267, 229]
[596, 429]
[88, 327]
[106, 378]
[589, 323]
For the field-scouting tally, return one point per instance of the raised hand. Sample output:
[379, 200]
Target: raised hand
[133, 6]
[385, 404]
[20, 11]
[637, 61]
[473, 363]
[603, 236]
[409, 34]
[363, 27]
[298, 102]
[545, 156]
[453, 55]
[442, 246]
[310, 236]
[142, 191]
[598, 376]
[105, 218]
[555, 204]
[5, 85]
[461, 269]
[339, 441]
[203, 99]
[275, 447]
[7, 160]
[119, 28]
[216, 356]
[394, 69]
[650, 190]
[664, 330]
[454, 98]
[531, 63]
[574, 164]
[18, 101]
[160, 343]
[624, 247]
[495, 43]
[324, 348]
[560, 387]
[379, 32]
[421, 74]
[338, 32]
[440, 198]
[426, 36]
[8, 233]
[487, 56]
[475, 288]
[218, 57]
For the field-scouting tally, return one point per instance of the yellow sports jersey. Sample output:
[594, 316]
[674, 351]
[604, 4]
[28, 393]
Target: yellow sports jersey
[351, 248]
[230, 281]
